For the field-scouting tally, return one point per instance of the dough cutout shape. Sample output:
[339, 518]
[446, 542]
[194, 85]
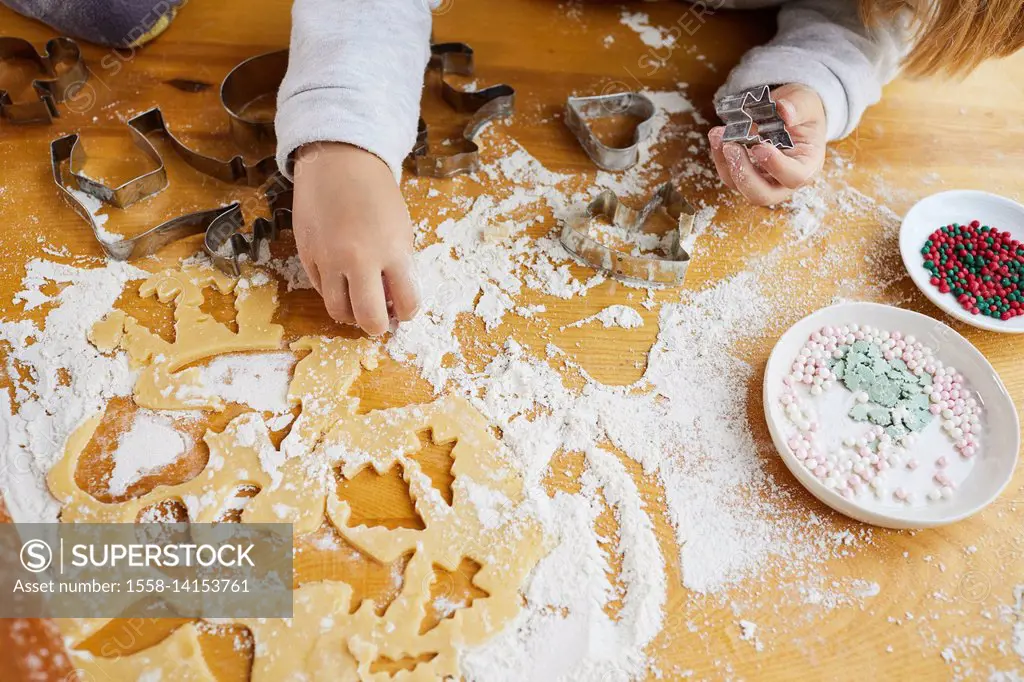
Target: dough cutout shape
[485, 522]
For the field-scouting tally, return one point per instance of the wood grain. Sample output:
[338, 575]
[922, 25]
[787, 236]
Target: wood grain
[923, 137]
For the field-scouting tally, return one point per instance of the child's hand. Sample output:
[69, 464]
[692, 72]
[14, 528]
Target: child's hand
[354, 236]
[766, 175]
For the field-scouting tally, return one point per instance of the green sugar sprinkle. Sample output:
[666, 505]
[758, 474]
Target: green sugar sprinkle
[896, 398]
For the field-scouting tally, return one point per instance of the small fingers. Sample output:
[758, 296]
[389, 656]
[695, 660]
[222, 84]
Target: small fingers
[788, 171]
[749, 181]
[311, 271]
[403, 291]
[366, 290]
[798, 106]
[715, 140]
[336, 298]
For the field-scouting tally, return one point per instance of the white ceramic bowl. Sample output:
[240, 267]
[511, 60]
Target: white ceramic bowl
[1000, 443]
[958, 206]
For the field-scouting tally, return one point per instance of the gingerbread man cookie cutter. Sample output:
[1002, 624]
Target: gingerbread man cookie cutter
[742, 111]
[486, 105]
[64, 72]
[580, 110]
[254, 78]
[645, 269]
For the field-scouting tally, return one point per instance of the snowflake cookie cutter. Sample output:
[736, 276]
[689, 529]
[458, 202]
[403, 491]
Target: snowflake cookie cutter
[254, 78]
[486, 105]
[742, 111]
[644, 269]
[56, 86]
[580, 110]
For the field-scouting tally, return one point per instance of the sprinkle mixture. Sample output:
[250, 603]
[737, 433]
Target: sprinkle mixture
[980, 265]
[897, 387]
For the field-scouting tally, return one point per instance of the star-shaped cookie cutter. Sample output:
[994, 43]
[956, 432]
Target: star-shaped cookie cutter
[740, 112]
[57, 86]
[580, 110]
[486, 105]
[646, 269]
[256, 77]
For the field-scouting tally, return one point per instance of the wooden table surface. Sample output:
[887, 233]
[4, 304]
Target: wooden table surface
[945, 589]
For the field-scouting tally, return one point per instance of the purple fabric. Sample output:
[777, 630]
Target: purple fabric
[117, 23]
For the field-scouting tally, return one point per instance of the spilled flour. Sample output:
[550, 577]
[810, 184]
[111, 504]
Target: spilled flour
[613, 316]
[150, 444]
[683, 427]
[259, 380]
[652, 36]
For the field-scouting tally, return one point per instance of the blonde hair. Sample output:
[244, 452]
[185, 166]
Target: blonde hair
[953, 36]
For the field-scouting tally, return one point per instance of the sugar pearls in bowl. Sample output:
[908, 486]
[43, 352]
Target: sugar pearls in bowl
[889, 416]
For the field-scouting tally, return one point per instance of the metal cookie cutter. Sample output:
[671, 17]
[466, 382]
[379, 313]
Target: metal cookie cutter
[648, 269]
[742, 111]
[56, 87]
[579, 110]
[224, 241]
[253, 78]
[496, 101]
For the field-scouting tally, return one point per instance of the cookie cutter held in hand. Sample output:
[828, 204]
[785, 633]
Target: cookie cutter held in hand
[56, 87]
[251, 79]
[580, 110]
[668, 270]
[486, 105]
[740, 112]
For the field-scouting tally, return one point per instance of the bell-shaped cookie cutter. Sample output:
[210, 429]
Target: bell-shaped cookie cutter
[647, 269]
[740, 112]
[580, 110]
[486, 105]
[57, 86]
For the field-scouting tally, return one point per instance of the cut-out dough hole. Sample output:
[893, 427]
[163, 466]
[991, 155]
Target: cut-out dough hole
[150, 313]
[451, 591]
[392, 668]
[96, 465]
[376, 390]
[380, 499]
[436, 461]
[233, 513]
[326, 555]
[124, 636]
[165, 511]
[220, 307]
[214, 640]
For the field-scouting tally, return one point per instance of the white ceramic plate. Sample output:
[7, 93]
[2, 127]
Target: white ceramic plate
[958, 206]
[1000, 443]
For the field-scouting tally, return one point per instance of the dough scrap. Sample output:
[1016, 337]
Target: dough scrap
[206, 496]
[485, 522]
[179, 657]
[198, 336]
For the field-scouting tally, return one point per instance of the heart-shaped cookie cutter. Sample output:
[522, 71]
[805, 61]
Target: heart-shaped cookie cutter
[486, 105]
[647, 269]
[740, 112]
[254, 78]
[580, 110]
[58, 85]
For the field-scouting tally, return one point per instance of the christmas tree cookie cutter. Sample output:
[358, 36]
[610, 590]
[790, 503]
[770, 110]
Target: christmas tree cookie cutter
[742, 111]
[486, 105]
[645, 269]
[255, 77]
[580, 110]
[57, 85]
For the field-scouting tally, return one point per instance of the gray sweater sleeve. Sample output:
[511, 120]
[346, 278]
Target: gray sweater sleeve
[355, 75]
[824, 45]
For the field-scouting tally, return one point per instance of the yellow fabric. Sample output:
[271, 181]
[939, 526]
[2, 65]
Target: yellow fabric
[159, 27]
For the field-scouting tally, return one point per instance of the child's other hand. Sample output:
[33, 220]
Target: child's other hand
[353, 234]
[766, 175]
